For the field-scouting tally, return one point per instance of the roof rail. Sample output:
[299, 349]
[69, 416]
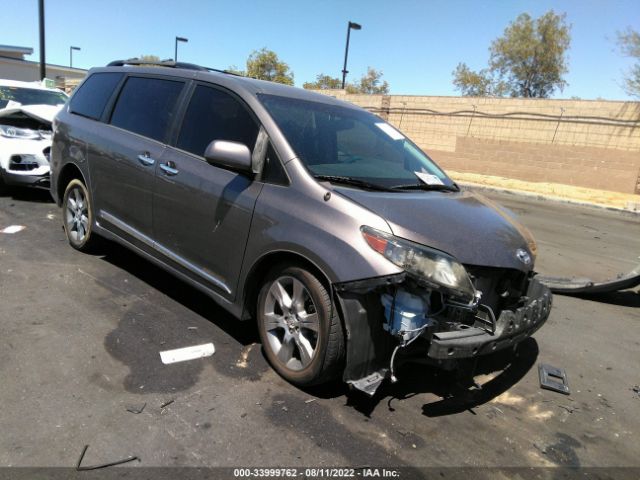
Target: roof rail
[160, 63]
[166, 63]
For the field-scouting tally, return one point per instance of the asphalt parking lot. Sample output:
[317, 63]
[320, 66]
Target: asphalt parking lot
[81, 335]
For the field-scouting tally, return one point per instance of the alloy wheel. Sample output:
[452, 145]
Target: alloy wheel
[291, 323]
[77, 215]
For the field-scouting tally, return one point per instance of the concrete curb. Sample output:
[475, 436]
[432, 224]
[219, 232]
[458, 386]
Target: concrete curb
[551, 198]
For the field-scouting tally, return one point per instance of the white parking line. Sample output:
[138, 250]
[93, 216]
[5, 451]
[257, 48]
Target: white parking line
[187, 353]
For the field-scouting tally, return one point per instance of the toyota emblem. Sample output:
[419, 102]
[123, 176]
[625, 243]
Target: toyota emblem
[523, 256]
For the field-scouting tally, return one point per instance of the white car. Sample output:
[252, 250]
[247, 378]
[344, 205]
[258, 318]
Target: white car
[26, 113]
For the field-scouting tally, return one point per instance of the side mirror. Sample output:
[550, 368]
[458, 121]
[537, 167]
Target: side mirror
[232, 155]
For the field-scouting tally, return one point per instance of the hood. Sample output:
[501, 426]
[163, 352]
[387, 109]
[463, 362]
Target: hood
[468, 226]
[43, 113]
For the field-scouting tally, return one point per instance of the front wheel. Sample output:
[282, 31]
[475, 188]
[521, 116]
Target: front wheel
[77, 214]
[301, 332]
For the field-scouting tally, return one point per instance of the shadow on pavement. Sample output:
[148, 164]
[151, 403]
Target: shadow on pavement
[26, 194]
[457, 390]
[244, 333]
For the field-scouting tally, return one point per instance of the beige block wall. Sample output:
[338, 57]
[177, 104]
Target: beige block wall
[590, 167]
[594, 144]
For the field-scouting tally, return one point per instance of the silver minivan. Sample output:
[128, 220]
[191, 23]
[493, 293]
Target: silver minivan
[315, 218]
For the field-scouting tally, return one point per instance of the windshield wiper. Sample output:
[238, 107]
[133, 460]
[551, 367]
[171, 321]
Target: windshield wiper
[424, 186]
[352, 181]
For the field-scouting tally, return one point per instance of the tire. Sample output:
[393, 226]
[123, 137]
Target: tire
[77, 216]
[305, 349]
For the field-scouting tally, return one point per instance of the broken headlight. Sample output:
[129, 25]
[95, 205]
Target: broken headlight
[8, 131]
[432, 266]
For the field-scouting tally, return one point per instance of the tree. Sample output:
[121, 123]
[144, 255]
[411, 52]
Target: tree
[149, 58]
[323, 82]
[472, 84]
[236, 70]
[265, 65]
[529, 60]
[371, 82]
[629, 43]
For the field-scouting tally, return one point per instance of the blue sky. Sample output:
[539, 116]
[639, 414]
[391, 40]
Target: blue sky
[417, 44]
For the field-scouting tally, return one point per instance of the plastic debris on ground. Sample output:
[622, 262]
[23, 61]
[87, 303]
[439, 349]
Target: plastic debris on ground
[187, 353]
[136, 408]
[13, 229]
[80, 468]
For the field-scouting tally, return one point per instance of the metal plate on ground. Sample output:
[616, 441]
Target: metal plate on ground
[552, 378]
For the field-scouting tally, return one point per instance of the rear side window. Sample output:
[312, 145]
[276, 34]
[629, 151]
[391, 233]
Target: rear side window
[215, 115]
[146, 106]
[91, 98]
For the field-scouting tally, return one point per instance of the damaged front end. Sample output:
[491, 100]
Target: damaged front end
[445, 310]
[25, 145]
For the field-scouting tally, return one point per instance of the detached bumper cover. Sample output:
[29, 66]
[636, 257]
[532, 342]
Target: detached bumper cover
[512, 327]
[588, 286]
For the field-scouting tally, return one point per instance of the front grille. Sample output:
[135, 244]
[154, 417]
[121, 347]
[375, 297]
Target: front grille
[23, 163]
[502, 288]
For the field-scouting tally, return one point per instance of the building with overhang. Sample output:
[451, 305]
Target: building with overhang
[14, 66]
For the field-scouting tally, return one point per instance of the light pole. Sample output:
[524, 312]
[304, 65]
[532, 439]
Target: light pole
[355, 26]
[178, 39]
[43, 63]
[71, 49]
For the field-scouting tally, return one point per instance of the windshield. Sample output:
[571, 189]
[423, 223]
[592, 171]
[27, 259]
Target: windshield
[30, 96]
[341, 142]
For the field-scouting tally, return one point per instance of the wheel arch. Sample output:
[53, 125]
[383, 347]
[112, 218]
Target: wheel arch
[69, 172]
[261, 268]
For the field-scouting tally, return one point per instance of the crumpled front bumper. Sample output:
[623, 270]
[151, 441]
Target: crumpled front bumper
[512, 327]
[25, 162]
[370, 347]
[38, 179]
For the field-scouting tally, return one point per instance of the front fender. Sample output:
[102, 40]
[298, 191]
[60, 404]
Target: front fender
[326, 232]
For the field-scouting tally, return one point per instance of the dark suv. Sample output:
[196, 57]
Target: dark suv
[315, 218]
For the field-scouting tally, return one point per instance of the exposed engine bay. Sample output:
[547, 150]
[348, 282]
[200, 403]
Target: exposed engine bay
[384, 316]
[19, 119]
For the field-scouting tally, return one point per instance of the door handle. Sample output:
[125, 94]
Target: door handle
[169, 168]
[146, 160]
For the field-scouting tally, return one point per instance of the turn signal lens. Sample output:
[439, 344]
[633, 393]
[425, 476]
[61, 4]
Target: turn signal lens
[379, 244]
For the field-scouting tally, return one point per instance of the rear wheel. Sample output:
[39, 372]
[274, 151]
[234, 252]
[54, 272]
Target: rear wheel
[301, 331]
[77, 214]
